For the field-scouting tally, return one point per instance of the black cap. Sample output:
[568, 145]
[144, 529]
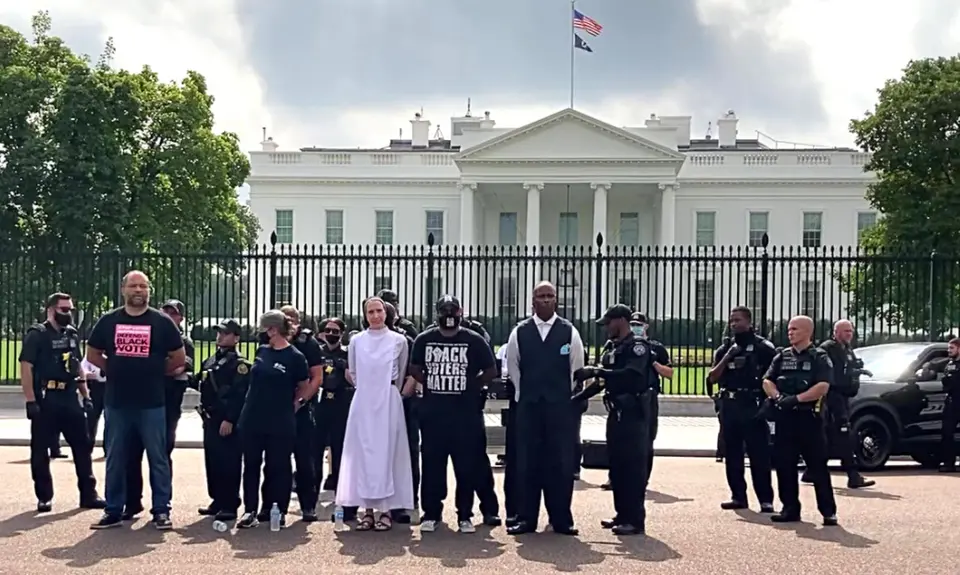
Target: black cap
[230, 326]
[617, 311]
[637, 317]
[448, 300]
[389, 296]
[175, 304]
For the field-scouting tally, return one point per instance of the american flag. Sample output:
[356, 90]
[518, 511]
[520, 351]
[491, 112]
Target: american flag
[586, 23]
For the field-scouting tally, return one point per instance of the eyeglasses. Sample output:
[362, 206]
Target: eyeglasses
[332, 331]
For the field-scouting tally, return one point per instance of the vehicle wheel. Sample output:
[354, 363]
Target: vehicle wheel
[873, 442]
[927, 460]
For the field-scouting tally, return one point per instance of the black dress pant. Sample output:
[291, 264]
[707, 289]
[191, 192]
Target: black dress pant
[97, 391]
[60, 415]
[449, 432]
[949, 421]
[799, 433]
[653, 425]
[331, 419]
[304, 451]
[173, 402]
[746, 434]
[839, 433]
[223, 460]
[411, 409]
[627, 450]
[272, 453]
[546, 434]
[511, 487]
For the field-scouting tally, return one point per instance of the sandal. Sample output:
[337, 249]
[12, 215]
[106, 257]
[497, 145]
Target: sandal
[368, 523]
[385, 523]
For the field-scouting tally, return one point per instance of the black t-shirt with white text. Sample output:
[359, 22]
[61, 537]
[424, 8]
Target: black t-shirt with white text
[136, 348]
[451, 365]
[274, 378]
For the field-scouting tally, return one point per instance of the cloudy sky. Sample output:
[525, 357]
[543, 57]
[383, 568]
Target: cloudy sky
[352, 72]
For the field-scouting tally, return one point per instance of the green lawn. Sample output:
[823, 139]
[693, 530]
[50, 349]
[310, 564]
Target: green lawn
[686, 380]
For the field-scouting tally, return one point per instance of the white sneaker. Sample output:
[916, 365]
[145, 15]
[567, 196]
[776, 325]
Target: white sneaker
[467, 527]
[428, 526]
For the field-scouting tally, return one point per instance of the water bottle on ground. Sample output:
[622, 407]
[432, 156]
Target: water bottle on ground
[275, 518]
[338, 524]
[220, 526]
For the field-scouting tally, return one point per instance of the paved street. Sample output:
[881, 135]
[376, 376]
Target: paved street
[905, 524]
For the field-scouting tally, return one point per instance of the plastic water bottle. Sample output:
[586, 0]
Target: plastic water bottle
[275, 518]
[338, 519]
[220, 526]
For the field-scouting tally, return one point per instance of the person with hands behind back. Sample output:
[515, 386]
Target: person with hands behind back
[797, 381]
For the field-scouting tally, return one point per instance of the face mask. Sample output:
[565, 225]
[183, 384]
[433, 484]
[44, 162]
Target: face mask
[263, 338]
[449, 321]
[332, 339]
[638, 330]
[62, 319]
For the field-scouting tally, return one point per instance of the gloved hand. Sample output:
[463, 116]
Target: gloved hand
[733, 351]
[787, 402]
[88, 406]
[33, 409]
[585, 373]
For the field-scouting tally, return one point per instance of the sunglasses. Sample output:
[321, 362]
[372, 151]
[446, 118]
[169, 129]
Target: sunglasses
[331, 331]
[65, 309]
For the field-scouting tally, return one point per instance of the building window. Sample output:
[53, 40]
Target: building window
[333, 296]
[706, 229]
[384, 228]
[382, 282]
[812, 229]
[628, 291]
[435, 226]
[507, 298]
[865, 221]
[754, 298]
[705, 301]
[810, 299]
[284, 226]
[567, 286]
[508, 229]
[629, 229]
[334, 227]
[759, 225]
[284, 290]
[569, 229]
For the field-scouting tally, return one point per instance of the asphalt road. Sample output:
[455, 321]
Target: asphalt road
[909, 522]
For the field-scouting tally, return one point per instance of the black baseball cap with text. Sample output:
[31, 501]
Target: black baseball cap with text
[616, 311]
[175, 305]
[230, 326]
[637, 317]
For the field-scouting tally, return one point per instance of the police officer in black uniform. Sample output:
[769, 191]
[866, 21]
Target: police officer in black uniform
[847, 369]
[627, 380]
[401, 323]
[223, 382]
[948, 369]
[797, 381]
[49, 369]
[305, 481]
[334, 406]
[738, 366]
[511, 483]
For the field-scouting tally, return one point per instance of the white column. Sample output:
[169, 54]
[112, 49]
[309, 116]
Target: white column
[668, 213]
[468, 273]
[467, 204]
[533, 213]
[599, 212]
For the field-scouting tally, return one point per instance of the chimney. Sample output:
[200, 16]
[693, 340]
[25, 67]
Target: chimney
[727, 130]
[682, 124]
[269, 145]
[653, 122]
[420, 131]
[487, 123]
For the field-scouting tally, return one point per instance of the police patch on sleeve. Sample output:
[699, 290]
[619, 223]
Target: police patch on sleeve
[242, 369]
[639, 349]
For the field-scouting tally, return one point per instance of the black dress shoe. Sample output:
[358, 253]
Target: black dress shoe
[492, 520]
[733, 504]
[400, 517]
[807, 477]
[571, 531]
[521, 528]
[208, 511]
[58, 455]
[785, 517]
[606, 486]
[263, 516]
[44, 506]
[225, 515]
[512, 520]
[626, 529]
[766, 508]
[859, 481]
[93, 502]
[830, 521]
[130, 513]
[609, 523]
[309, 516]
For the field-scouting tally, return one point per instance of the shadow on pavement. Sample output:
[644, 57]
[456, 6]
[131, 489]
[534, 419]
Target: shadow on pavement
[564, 553]
[30, 520]
[806, 530]
[642, 548]
[665, 498]
[583, 485]
[372, 547]
[454, 549]
[866, 493]
[261, 543]
[121, 543]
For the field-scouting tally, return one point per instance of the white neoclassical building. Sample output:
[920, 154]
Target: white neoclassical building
[559, 181]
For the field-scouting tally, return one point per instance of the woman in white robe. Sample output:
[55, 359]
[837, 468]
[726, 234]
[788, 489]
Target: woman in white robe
[376, 473]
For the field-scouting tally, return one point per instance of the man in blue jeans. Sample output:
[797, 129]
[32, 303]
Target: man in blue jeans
[136, 347]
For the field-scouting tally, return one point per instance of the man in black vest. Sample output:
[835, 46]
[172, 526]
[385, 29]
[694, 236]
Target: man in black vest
[542, 354]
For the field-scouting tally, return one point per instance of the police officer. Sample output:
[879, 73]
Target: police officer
[223, 383]
[627, 380]
[796, 383]
[334, 406]
[847, 369]
[49, 369]
[738, 367]
[949, 369]
[511, 483]
[401, 323]
[305, 481]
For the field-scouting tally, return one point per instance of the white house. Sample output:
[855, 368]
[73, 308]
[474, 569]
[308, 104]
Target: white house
[559, 181]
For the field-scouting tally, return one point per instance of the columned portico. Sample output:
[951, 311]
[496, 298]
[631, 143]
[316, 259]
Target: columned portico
[467, 204]
[533, 213]
[668, 213]
[600, 191]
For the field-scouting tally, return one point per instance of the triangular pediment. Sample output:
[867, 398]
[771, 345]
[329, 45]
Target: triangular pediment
[569, 135]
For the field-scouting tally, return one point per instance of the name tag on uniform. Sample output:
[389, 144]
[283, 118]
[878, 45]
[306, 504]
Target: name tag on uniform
[565, 349]
[329, 395]
[806, 366]
[58, 385]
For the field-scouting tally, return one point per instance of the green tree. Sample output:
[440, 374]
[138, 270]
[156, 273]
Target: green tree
[912, 134]
[102, 170]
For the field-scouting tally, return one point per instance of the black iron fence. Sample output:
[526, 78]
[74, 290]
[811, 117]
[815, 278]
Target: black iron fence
[686, 292]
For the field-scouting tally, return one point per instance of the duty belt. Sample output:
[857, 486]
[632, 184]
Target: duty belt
[740, 393]
[54, 385]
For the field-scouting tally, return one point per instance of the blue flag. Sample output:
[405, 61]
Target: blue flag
[578, 42]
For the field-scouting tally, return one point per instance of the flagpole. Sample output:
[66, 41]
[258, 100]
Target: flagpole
[573, 49]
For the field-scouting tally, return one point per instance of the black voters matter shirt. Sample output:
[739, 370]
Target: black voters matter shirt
[274, 379]
[451, 365]
[136, 347]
